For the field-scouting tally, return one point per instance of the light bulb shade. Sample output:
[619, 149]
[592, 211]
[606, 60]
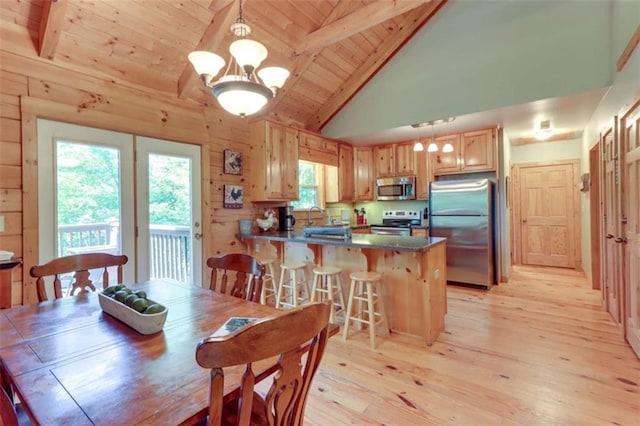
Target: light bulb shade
[206, 63]
[241, 98]
[248, 53]
[447, 148]
[432, 147]
[417, 147]
[273, 77]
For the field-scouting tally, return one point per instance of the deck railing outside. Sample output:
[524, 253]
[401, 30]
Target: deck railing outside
[169, 246]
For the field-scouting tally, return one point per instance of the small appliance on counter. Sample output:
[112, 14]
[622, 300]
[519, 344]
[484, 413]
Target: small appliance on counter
[398, 222]
[286, 220]
[343, 232]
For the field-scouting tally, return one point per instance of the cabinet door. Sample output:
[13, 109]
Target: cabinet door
[289, 164]
[424, 175]
[363, 160]
[405, 159]
[384, 160]
[446, 162]
[275, 168]
[478, 151]
[346, 186]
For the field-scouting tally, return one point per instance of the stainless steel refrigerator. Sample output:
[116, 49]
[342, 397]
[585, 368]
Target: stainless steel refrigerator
[462, 212]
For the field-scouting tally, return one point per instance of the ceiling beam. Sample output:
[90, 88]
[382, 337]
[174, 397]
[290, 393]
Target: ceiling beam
[51, 21]
[567, 136]
[211, 40]
[361, 19]
[412, 23]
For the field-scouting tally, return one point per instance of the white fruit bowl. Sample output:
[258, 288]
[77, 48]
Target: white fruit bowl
[142, 323]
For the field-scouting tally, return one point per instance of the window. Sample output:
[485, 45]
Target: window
[310, 181]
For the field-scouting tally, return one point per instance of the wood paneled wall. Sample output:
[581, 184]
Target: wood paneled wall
[32, 88]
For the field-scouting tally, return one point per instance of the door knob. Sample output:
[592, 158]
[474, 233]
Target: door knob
[622, 240]
[197, 236]
[609, 236]
[524, 220]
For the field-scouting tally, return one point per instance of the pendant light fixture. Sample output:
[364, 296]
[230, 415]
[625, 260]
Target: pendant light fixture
[239, 91]
[417, 146]
[432, 147]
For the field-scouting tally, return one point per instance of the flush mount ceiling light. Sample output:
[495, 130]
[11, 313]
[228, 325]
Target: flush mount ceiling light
[432, 147]
[239, 91]
[544, 130]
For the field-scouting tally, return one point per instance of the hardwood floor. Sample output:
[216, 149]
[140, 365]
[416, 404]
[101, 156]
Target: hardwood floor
[536, 351]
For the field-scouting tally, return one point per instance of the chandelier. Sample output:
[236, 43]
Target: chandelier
[239, 91]
[432, 147]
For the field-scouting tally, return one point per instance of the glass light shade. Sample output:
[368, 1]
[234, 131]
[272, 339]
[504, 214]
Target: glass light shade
[206, 62]
[432, 147]
[273, 76]
[447, 148]
[241, 98]
[417, 147]
[248, 52]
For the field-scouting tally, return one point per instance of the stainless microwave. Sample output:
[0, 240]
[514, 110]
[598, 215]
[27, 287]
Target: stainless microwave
[396, 188]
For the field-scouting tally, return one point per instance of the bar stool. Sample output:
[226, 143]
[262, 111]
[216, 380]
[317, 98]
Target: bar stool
[365, 289]
[269, 285]
[327, 284]
[294, 279]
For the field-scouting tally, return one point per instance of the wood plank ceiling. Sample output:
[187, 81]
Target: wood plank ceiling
[331, 47]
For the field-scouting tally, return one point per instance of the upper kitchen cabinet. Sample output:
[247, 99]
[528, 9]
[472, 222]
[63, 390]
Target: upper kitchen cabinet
[346, 184]
[364, 173]
[472, 152]
[394, 160]
[273, 161]
[424, 174]
[317, 149]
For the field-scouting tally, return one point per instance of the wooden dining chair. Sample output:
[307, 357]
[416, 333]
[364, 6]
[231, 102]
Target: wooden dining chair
[298, 336]
[246, 272]
[80, 265]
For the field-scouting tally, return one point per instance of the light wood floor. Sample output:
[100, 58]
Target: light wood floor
[536, 351]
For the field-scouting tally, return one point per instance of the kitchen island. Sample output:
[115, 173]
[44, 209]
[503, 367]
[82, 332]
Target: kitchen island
[413, 270]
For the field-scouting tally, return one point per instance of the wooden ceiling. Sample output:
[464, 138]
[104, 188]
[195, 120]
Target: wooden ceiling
[331, 47]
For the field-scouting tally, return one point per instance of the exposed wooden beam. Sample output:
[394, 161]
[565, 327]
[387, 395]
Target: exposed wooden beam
[413, 22]
[624, 57]
[558, 137]
[303, 62]
[217, 5]
[51, 21]
[211, 40]
[357, 21]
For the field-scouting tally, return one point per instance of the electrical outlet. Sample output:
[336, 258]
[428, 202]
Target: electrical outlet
[257, 248]
[1, 223]
[436, 274]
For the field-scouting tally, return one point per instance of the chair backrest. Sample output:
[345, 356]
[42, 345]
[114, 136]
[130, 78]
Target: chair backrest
[80, 265]
[7, 410]
[246, 271]
[291, 335]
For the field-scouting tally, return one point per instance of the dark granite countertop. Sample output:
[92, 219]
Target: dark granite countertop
[370, 241]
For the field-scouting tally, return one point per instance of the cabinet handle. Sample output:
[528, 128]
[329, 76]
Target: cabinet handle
[609, 236]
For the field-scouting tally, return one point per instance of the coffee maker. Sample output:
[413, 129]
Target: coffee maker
[286, 221]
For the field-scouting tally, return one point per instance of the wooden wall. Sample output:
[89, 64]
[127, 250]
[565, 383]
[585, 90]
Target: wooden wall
[34, 88]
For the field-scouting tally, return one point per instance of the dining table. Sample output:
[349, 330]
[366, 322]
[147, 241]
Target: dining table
[70, 363]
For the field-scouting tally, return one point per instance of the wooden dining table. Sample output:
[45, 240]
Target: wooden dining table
[70, 363]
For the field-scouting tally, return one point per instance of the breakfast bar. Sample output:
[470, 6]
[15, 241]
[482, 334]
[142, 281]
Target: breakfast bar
[413, 270]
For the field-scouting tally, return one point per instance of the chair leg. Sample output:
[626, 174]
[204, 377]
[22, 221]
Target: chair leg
[347, 318]
[371, 315]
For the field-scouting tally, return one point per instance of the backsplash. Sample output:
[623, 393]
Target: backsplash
[374, 209]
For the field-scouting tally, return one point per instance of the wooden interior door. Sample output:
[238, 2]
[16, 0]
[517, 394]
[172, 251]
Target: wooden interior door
[612, 273]
[595, 211]
[547, 216]
[630, 142]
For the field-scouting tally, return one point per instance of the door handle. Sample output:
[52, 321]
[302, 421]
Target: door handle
[197, 236]
[622, 240]
[609, 236]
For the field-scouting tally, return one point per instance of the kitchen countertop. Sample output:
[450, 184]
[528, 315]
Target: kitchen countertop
[369, 241]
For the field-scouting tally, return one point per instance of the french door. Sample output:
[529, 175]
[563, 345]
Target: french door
[93, 196]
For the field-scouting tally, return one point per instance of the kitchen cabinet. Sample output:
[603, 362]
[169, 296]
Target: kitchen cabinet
[364, 173]
[424, 174]
[317, 149]
[394, 160]
[472, 152]
[273, 161]
[346, 184]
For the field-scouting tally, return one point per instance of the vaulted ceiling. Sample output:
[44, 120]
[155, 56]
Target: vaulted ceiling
[331, 47]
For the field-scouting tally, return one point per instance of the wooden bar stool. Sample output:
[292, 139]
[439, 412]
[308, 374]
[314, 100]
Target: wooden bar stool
[293, 282]
[365, 289]
[327, 285]
[269, 284]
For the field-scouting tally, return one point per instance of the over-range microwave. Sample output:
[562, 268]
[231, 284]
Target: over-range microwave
[396, 188]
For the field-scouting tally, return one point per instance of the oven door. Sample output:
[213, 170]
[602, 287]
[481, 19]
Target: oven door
[391, 230]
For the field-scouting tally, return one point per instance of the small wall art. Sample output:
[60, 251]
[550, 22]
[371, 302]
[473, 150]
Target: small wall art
[233, 196]
[232, 162]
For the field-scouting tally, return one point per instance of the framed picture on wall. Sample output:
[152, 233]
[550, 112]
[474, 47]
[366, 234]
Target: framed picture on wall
[232, 162]
[233, 196]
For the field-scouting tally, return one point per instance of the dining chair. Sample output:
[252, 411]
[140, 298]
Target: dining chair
[246, 272]
[298, 336]
[80, 265]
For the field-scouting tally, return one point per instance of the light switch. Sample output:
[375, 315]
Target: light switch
[1, 223]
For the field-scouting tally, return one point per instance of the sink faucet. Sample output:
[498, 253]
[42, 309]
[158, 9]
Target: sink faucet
[309, 221]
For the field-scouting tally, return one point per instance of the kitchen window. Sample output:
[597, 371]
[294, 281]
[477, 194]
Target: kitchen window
[311, 188]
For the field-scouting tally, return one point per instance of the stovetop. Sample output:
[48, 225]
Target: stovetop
[401, 218]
